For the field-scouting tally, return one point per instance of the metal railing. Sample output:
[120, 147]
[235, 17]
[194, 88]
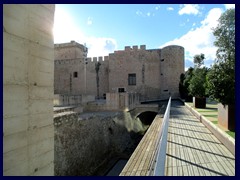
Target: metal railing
[158, 166]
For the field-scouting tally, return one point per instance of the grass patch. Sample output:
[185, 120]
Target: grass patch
[210, 113]
[205, 110]
[213, 115]
[231, 133]
[214, 122]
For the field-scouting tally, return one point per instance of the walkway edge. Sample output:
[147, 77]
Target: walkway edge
[227, 140]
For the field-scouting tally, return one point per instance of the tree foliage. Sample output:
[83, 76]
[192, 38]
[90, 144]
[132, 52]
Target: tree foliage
[221, 78]
[220, 83]
[198, 83]
[184, 83]
[188, 77]
[225, 37]
[180, 86]
[198, 60]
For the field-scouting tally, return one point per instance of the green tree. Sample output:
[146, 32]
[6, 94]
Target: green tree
[182, 89]
[188, 77]
[221, 78]
[225, 37]
[198, 83]
[184, 83]
[220, 83]
[198, 60]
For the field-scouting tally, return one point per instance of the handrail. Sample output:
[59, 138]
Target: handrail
[160, 157]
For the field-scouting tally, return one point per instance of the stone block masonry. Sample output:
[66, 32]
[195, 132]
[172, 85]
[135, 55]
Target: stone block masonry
[153, 73]
[84, 143]
[28, 51]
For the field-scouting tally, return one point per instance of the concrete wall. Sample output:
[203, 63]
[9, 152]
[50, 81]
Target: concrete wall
[28, 133]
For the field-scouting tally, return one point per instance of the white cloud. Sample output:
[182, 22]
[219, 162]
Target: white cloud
[189, 9]
[143, 14]
[100, 46]
[229, 6]
[89, 21]
[201, 39]
[194, 24]
[139, 13]
[157, 7]
[170, 8]
[65, 30]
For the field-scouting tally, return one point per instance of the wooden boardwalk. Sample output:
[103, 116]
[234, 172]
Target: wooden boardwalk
[192, 149]
[141, 160]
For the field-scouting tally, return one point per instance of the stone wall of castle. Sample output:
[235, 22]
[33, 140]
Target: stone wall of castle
[156, 72]
[144, 63]
[72, 50]
[66, 82]
[84, 143]
[172, 65]
[28, 63]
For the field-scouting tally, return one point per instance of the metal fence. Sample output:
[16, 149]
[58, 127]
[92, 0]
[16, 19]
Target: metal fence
[158, 167]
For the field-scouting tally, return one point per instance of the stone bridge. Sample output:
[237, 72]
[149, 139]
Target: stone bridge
[141, 108]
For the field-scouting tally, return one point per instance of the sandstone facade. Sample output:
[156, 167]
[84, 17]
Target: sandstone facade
[154, 74]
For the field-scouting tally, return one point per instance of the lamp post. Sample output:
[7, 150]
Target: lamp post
[85, 51]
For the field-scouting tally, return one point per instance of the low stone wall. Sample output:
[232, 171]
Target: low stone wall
[85, 142]
[114, 102]
[66, 99]
[122, 101]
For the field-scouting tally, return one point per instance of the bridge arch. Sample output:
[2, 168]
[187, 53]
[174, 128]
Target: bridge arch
[147, 117]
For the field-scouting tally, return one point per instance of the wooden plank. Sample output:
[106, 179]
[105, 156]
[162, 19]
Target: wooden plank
[215, 168]
[180, 171]
[232, 163]
[174, 171]
[190, 170]
[201, 171]
[185, 170]
[229, 168]
[206, 171]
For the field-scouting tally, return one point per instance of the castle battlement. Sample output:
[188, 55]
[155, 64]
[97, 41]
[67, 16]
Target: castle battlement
[135, 48]
[98, 59]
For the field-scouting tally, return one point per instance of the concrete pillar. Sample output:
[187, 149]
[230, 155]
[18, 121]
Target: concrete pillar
[28, 133]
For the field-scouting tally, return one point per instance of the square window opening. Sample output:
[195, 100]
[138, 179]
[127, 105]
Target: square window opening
[75, 74]
[131, 79]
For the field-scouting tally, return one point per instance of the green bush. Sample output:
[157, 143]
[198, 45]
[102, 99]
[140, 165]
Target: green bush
[198, 83]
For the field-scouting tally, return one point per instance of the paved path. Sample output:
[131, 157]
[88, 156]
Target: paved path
[192, 149]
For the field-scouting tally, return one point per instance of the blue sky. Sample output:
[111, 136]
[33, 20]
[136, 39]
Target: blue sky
[105, 28]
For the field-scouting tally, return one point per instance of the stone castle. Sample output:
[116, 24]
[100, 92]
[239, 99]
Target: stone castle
[152, 73]
[33, 67]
